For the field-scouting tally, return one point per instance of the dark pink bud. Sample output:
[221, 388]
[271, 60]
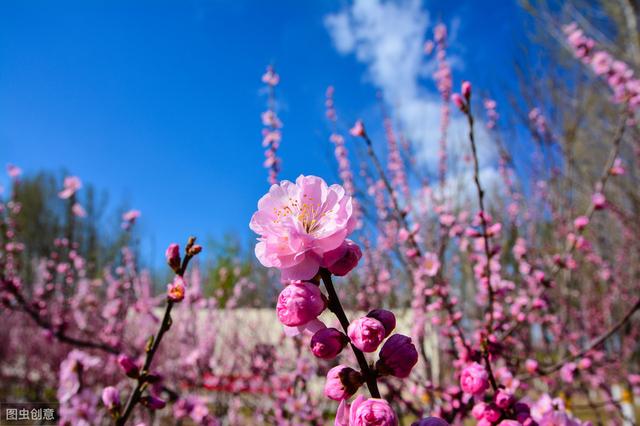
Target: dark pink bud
[357, 129]
[343, 259]
[153, 402]
[466, 89]
[398, 356]
[327, 343]
[172, 254]
[129, 366]
[492, 413]
[387, 319]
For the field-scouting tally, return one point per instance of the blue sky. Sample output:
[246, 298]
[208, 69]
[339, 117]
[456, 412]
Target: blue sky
[159, 102]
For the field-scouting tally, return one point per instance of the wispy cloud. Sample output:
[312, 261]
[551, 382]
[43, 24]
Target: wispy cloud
[388, 37]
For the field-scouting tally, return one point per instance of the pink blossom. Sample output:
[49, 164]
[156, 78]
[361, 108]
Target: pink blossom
[270, 77]
[176, 290]
[503, 398]
[111, 397]
[358, 129]
[581, 222]
[617, 169]
[598, 200]
[131, 216]
[458, 101]
[343, 259]
[372, 411]
[531, 365]
[474, 379]
[78, 210]
[327, 343]
[366, 333]
[71, 185]
[298, 223]
[466, 89]
[153, 402]
[13, 171]
[492, 413]
[300, 303]
[398, 356]
[431, 264]
[172, 255]
[342, 382]
[129, 366]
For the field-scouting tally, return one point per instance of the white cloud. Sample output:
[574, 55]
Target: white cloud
[388, 37]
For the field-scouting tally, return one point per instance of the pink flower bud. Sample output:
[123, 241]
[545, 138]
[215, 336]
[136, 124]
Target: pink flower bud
[387, 319]
[111, 398]
[357, 129]
[299, 303]
[466, 90]
[176, 290]
[372, 411]
[581, 222]
[327, 343]
[531, 365]
[598, 200]
[366, 334]
[398, 356]
[492, 413]
[458, 101]
[153, 402]
[129, 366]
[342, 382]
[474, 379]
[430, 421]
[478, 410]
[172, 254]
[343, 259]
[503, 398]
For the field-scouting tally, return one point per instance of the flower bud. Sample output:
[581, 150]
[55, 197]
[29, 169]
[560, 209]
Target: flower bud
[111, 398]
[466, 90]
[327, 343]
[153, 402]
[474, 379]
[176, 290]
[343, 259]
[299, 303]
[357, 129]
[398, 356]
[172, 254]
[387, 319]
[492, 413]
[598, 200]
[366, 334]
[430, 421]
[129, 366]
[581, 222]
[503, 398]
[459, 102]
[342, 382]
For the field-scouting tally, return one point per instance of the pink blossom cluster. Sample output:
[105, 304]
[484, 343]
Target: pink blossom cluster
[271, 133]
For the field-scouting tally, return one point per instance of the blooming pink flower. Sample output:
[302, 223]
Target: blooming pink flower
[431, 264]
[398, 356]
[387, 319]
[474, 379]
[299, 303]
[372, 411]
[342, 382]
[327, 343]
[358, 129]
[298, 223]
[270, 77]
[343, 259]
[503, 398]
[71, 185]
[366, 333]
[176, 290]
